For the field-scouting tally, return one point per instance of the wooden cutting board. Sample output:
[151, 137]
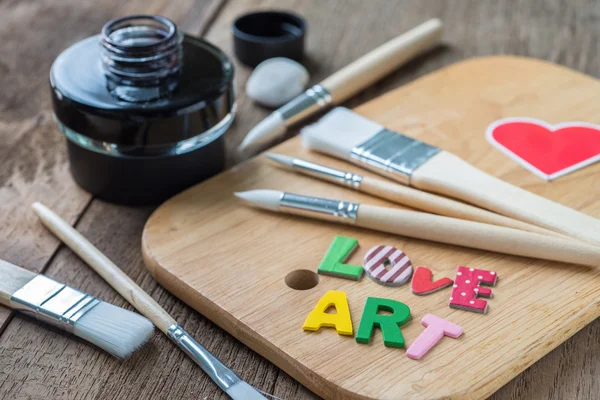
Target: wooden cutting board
[230, 262]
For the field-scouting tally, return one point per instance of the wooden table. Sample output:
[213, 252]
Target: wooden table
[40, 362]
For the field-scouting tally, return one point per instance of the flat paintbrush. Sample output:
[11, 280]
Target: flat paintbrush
[404, 195]
[346, 135]
[226, 379]
[115, 330]
[426, 226]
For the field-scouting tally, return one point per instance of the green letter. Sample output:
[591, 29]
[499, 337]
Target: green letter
[333, 262]
[389, 324]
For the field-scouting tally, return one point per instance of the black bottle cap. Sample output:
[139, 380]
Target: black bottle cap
[262, 35]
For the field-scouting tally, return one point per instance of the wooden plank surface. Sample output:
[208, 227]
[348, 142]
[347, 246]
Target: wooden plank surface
[33, 365]
[32, 151]
[32, 155]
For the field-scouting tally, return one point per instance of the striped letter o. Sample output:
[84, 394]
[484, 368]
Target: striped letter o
[375, 263]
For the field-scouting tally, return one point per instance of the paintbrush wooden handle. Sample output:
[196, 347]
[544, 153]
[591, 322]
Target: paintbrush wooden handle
[383, 60]
[432, 203]
[105, 268]
[449, 175]
[476, 235]
[12, 278]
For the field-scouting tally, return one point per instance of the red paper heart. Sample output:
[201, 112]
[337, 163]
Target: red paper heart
[548, 151]
[421, 282]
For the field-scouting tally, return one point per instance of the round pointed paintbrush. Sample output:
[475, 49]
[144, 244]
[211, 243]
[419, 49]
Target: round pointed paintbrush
[425, 226]
[405, 195]
[347, 81]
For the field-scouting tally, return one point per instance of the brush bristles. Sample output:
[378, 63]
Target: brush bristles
[269, 128]
[267, 199]
[338, 132]
[116, 330]
[243, 391]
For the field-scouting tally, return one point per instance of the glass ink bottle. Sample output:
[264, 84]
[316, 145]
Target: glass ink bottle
[144, 109]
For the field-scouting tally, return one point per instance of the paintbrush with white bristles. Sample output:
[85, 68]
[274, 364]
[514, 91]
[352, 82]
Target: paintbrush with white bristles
[404, 195]
[115, 330]
[426, 226]
[346, 135]
[347, 81]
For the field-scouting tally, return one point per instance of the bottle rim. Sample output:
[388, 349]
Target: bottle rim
[117, 24]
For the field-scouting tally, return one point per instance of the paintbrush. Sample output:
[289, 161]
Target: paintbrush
[404, 195]
[425, 226]
[115, 330]
[347, 81]
[346, 135]
[226, 379]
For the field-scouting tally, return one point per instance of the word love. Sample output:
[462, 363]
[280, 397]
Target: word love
[389, 324]
[385, 265]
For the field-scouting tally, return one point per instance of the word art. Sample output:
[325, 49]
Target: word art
[389, 324]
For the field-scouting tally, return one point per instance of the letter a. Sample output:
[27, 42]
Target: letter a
[341, 320]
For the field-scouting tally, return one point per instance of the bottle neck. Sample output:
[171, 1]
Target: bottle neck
[141, 57]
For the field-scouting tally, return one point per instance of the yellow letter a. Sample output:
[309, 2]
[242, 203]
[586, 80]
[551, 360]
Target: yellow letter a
[341, 321]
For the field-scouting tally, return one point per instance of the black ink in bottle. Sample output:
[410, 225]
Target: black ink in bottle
[144, 109]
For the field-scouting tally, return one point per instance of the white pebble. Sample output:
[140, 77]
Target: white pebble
[276, 81]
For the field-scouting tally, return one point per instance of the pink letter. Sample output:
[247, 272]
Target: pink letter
[436, 329]
[466, 289]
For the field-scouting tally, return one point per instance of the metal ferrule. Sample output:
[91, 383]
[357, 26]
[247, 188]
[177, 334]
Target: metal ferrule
[53, 302]
[328, 174]
[307, 205]
[393, 155]
[219, 373]
[304, 105]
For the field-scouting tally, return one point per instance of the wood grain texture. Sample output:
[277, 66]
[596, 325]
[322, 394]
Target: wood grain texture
[439, 174]
[477, 236]
[217, 255]
[13, 279]
[37, 363]
[432, 203]
[368, 69]
[342, 31]
[32, 154]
